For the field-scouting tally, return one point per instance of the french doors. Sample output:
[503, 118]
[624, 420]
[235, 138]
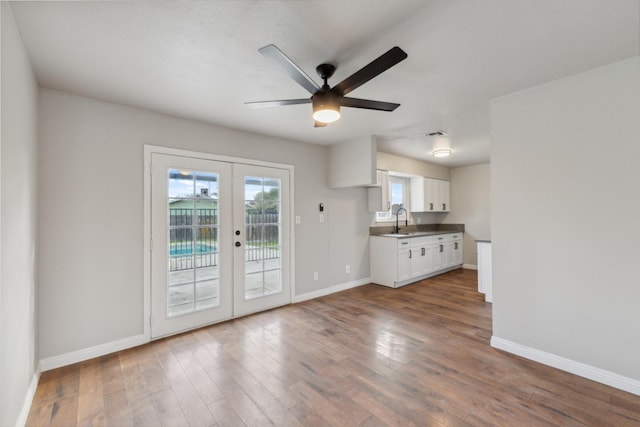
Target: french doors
[220, 241]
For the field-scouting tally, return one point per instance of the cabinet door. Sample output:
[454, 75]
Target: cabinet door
[418, 261]
[441, 256]
[379, 200]
[449, 253]
[445, 198]
[418, 193]
[404, 264]
[457, 252]
[429, 259]
[383, 180]
[431, 195]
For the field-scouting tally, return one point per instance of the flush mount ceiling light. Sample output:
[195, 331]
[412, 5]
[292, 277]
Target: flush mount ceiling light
[441, 152]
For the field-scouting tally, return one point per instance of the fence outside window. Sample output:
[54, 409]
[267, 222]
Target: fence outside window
[193, 237]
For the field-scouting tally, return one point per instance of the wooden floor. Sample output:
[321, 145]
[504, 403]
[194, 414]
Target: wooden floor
[370, 356]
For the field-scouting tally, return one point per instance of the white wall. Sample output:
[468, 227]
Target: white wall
[470, 205]
[18, 295]
[91, 214]
[565, 211]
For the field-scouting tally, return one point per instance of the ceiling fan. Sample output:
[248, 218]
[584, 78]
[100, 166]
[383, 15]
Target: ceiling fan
[327, 100]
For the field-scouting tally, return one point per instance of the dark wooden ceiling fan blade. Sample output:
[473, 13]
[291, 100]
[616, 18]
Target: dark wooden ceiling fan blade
[275, 55]
[368, 104]
[278, 103]
[368, 72]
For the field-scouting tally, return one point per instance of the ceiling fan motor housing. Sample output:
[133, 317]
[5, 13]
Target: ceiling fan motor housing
[326, 100]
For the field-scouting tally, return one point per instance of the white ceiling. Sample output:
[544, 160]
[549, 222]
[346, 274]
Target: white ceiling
[200, 60]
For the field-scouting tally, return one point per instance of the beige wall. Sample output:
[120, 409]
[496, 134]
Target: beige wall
[470, 205]
[564, 220]
[395, 163]
[91, 263]
[18, 291]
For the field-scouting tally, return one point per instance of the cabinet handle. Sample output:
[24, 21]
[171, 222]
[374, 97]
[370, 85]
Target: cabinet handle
[409, 253]
[444, 206]
[422, 251]
[441, 248]
[430, 206]
[455, 246]
[388, 206]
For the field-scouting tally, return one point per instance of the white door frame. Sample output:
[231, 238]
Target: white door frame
[148, 151]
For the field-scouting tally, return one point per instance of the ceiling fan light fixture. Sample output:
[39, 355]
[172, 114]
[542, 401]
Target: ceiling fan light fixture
[442, 152]
[326, 107]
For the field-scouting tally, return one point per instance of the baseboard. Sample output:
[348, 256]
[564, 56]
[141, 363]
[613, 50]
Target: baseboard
[28, 398]
[331, 290]
[587, 371]
[470, 266]
[91, 352]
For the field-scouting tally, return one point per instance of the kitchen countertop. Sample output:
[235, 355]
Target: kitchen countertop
[402, 235]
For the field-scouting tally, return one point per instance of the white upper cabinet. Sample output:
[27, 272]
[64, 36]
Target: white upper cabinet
[429, 195]
[379, 200]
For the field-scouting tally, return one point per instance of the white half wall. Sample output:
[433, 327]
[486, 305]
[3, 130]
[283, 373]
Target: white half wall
[470, 205]
[353, 163]
[91, 215]
[564, 218]
[18, 290]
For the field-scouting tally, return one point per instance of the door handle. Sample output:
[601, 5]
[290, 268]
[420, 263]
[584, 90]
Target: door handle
[238, 244]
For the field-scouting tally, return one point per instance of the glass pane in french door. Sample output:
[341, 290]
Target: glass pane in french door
[263, 236]
[193, 249]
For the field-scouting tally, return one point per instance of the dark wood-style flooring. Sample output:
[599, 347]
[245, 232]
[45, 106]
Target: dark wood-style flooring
[370, 356]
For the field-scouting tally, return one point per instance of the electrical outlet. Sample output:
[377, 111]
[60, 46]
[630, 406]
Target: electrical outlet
[347, 269]
[315, 275]
[321, 218]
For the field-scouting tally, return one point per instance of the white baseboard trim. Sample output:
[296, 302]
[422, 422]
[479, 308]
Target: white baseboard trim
[28, 398]
[587, 371]
[91, 352]
[331, 290]
[470, 266]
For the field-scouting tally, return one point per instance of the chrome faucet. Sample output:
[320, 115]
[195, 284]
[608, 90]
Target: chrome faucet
[406, 219]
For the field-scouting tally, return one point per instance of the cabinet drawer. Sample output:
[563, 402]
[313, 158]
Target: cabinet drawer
[422, 241]
[404, 243]
[448, 237]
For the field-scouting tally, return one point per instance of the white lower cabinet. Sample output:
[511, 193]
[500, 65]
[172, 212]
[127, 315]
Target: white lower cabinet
[399, 261]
